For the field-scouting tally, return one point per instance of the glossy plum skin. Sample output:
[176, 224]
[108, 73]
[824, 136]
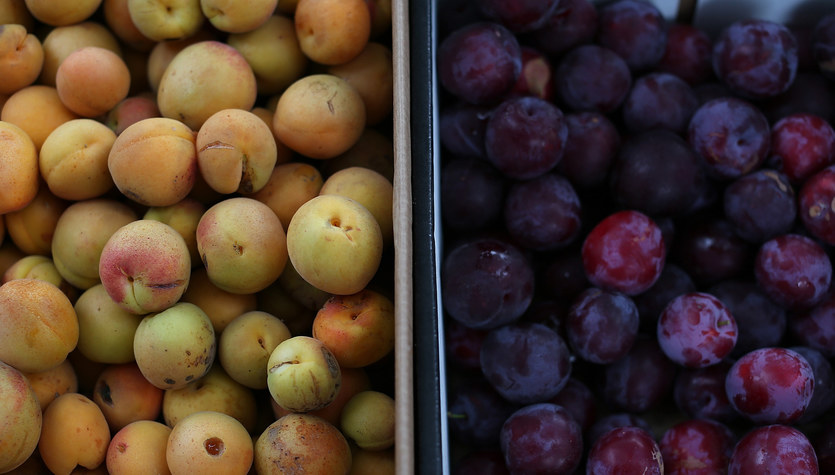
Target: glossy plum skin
[696, 330]
[542, 438]
[731, 135]
[461, 128]
[462, 345]
[476, 413]
[711, 251]
[525, 362]
[816, 199]
[525, 137]
[472, 193]
[804, 144]
[760, 322]
[823, 45]
[624, 252]
[625, 451]
[602, 325]
[696, 447]
[479, 62]
[756, 58]
[572, 24]
[634, 29]
[519, 16]
[639, 380]
[614, 420]
[592, 78]
[688, 54]
[542, 213]
[770, 385]
[793, 270]
[823, 397]
[774, 449]
[815, 327]
[659, 101]
[487, 282]
[579, 401]
[593, 143]
[760, 205]
[700, 393]
[672, 282]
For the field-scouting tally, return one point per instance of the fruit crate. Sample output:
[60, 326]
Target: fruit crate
[434, 449]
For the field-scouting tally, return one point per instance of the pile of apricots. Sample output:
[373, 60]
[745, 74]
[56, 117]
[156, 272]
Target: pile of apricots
[196, 259]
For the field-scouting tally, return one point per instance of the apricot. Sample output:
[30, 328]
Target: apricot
[37, 110]
[32, 227]
[185, 94]
[319, 116]
[106, 330]
[117, 17]
[236, 151]
[20, 418]
[379, 462]
[163, 52]
[246, 344]
[371, 74]
[369, 420]
[21, 58]
[154, 162]
[302, 291]
[166, 20]
[35, 266]
[373, 150]
[354, 381]
[19, 182]
[63, 40]
[74, 433]
[276, 301]
[125, 396]
[301, 442]
[62, 12]
[221, 306]
[92, 80]
[73, 159]
[139, 448]
[273, 52]
[38, 325]
[289, 186]
[183, 217]
[371, 190]
[15, 11]
[53, 382]
[332, 31]
[80, 235]
[131, 110]
[209, 442]
[235, 17]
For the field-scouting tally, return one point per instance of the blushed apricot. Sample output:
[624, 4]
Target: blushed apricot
[164, 51]
[19, 162]
[38, 326]
[32, 227]
[92, 80]
[20, 419]
[63, 40]
[117, 17]
[21, 58]
[209, 442]
[125, 396]
[273, 52]
[371, 74]
[332, 31]
[38, 110]
[154, 162]
[62, 12]
[319, 116]
[139, 448]
[73, 159]
[302, 442]
[290, 186]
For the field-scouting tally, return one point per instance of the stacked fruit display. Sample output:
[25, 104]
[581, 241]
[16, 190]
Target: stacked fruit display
[637, 223]
[197, 236]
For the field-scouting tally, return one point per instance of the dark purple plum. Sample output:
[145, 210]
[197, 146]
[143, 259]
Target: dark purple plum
[572, 24]
[519, 15]
[658, 173]
[659, 100]
[731, 135]
[486, 282]
[793, 270]
[771, 385]
[696, 330]
[639, 380]
[824, 445]
[579, 401]
[816, 198]
[549, 312]
[760, 322]
[461, 128]
[810, 93]
[525, 137]
[700, 393]
[804, 144]
[479, 62]
[614, 420]
[476, 412]
[473, 194]
[542, 438]
[823, 45]
[525, 362]
[674, 281]
[592, 78]
[773, 449]
[624, 252]
[634, 29]
[542, 213]
[815, 327]
[462, 345]
[625, 451]
[697, 446]
[823, 397]
[601, 325]
[711, 251]
[562, 276]
[593, 142]
[689, 54]
[760, 205]
[537, 76]
[756, 58]
[481, 462]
